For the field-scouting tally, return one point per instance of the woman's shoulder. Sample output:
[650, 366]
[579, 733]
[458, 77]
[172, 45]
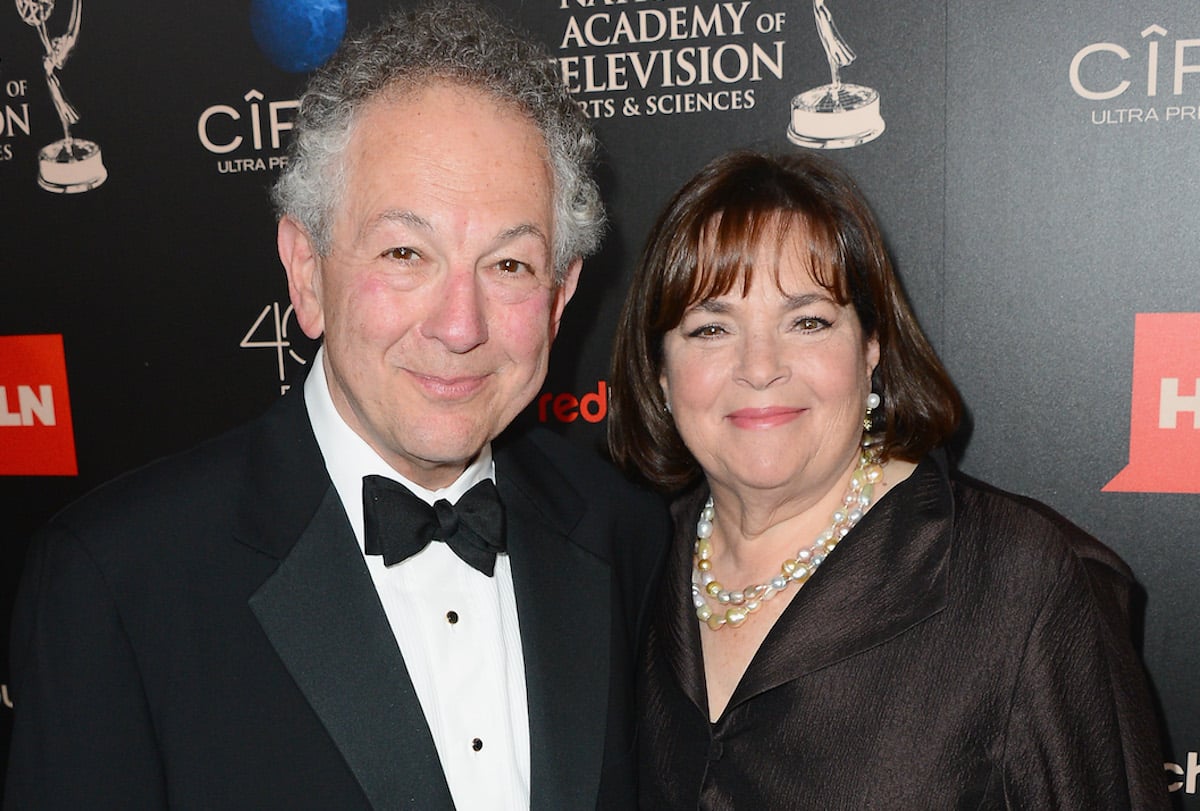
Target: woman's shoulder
[1025, 533]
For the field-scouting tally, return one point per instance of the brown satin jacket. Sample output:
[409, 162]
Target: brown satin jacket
[961, 648]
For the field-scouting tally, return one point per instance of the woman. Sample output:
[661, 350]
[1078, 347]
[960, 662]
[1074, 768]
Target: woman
[845, 622]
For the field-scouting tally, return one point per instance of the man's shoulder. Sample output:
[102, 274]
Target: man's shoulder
[593, 477]
[200, 485]
[186, 476]
[619, 521]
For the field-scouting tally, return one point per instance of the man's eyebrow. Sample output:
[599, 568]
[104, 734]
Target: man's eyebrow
[525, 229]
[404, 216]
[409, 218]
[414, 220]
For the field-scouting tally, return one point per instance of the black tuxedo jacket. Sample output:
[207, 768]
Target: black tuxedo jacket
[204, 634]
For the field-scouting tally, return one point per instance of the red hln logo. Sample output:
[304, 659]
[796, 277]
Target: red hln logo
[33, 406]
[36, 436]
[1164, 429]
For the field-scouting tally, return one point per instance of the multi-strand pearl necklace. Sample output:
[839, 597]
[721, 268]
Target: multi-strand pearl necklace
[733, 607]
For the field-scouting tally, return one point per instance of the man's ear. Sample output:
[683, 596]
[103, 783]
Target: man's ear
[301, 262]
[564, 292]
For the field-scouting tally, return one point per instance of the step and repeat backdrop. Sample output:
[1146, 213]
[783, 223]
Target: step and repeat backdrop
[1034, 168]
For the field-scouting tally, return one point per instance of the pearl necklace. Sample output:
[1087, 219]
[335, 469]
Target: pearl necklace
[738, 605]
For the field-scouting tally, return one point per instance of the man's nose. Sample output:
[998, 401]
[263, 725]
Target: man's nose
[457, 317]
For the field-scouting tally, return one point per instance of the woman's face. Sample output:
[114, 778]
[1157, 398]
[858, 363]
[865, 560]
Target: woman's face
[768, 390]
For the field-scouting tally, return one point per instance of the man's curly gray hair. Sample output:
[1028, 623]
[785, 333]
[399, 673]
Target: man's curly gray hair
[462, 43]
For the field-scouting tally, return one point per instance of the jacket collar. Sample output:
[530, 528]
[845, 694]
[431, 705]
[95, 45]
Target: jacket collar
[323, 616]
[887, 575]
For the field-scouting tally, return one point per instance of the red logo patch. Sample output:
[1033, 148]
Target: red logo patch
[36, 437]
[1164, 430]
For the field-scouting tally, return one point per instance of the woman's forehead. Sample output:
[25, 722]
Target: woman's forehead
[780, 252]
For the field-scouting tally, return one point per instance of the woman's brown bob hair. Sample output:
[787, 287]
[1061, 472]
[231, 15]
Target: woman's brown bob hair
[703, 244]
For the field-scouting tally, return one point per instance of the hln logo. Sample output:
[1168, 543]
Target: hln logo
[1164, 415]
[33, 406]
[1171, 403]
[36, 435]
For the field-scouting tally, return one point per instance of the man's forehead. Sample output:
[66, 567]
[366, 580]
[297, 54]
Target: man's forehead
[425, 160]
[412, 220]
[447, 122]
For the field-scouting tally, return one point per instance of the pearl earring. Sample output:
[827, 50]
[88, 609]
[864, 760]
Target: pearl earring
[872, 404]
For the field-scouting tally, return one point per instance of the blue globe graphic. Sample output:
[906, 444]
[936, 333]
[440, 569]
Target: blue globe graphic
[298, 35]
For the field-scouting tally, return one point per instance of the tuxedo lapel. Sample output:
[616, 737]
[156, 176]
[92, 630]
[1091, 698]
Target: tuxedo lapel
[322, 614]
[564, 605]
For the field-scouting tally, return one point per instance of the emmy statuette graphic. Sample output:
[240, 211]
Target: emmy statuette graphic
[71, 165]
[835, 115]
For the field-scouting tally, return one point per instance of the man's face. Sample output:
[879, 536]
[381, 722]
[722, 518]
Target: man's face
[437, 299]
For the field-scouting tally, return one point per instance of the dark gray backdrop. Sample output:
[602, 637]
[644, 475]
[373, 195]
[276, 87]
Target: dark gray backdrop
[1031, 224]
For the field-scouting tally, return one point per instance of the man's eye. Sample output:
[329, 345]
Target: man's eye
[402, 254]
[511, 266]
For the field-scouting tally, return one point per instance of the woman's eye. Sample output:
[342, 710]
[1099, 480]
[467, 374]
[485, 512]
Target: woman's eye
[811, 324]
[707, 331]
[401, 254]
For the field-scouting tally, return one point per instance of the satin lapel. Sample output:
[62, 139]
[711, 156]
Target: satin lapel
[886, 576]
[564, 602]
[323, 616]
[675, 628]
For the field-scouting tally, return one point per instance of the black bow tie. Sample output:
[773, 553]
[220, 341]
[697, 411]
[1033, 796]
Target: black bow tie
[398, 525]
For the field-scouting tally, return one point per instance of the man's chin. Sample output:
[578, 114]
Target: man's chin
[437, 459]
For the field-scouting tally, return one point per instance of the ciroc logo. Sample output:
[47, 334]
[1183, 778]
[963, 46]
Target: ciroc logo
[254, 131]
[1140, 75]
[36, 436]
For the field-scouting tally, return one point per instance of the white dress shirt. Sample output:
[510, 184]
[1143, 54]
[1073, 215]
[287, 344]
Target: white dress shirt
[456, 627]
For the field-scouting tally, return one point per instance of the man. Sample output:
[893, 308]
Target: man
[237, 627]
